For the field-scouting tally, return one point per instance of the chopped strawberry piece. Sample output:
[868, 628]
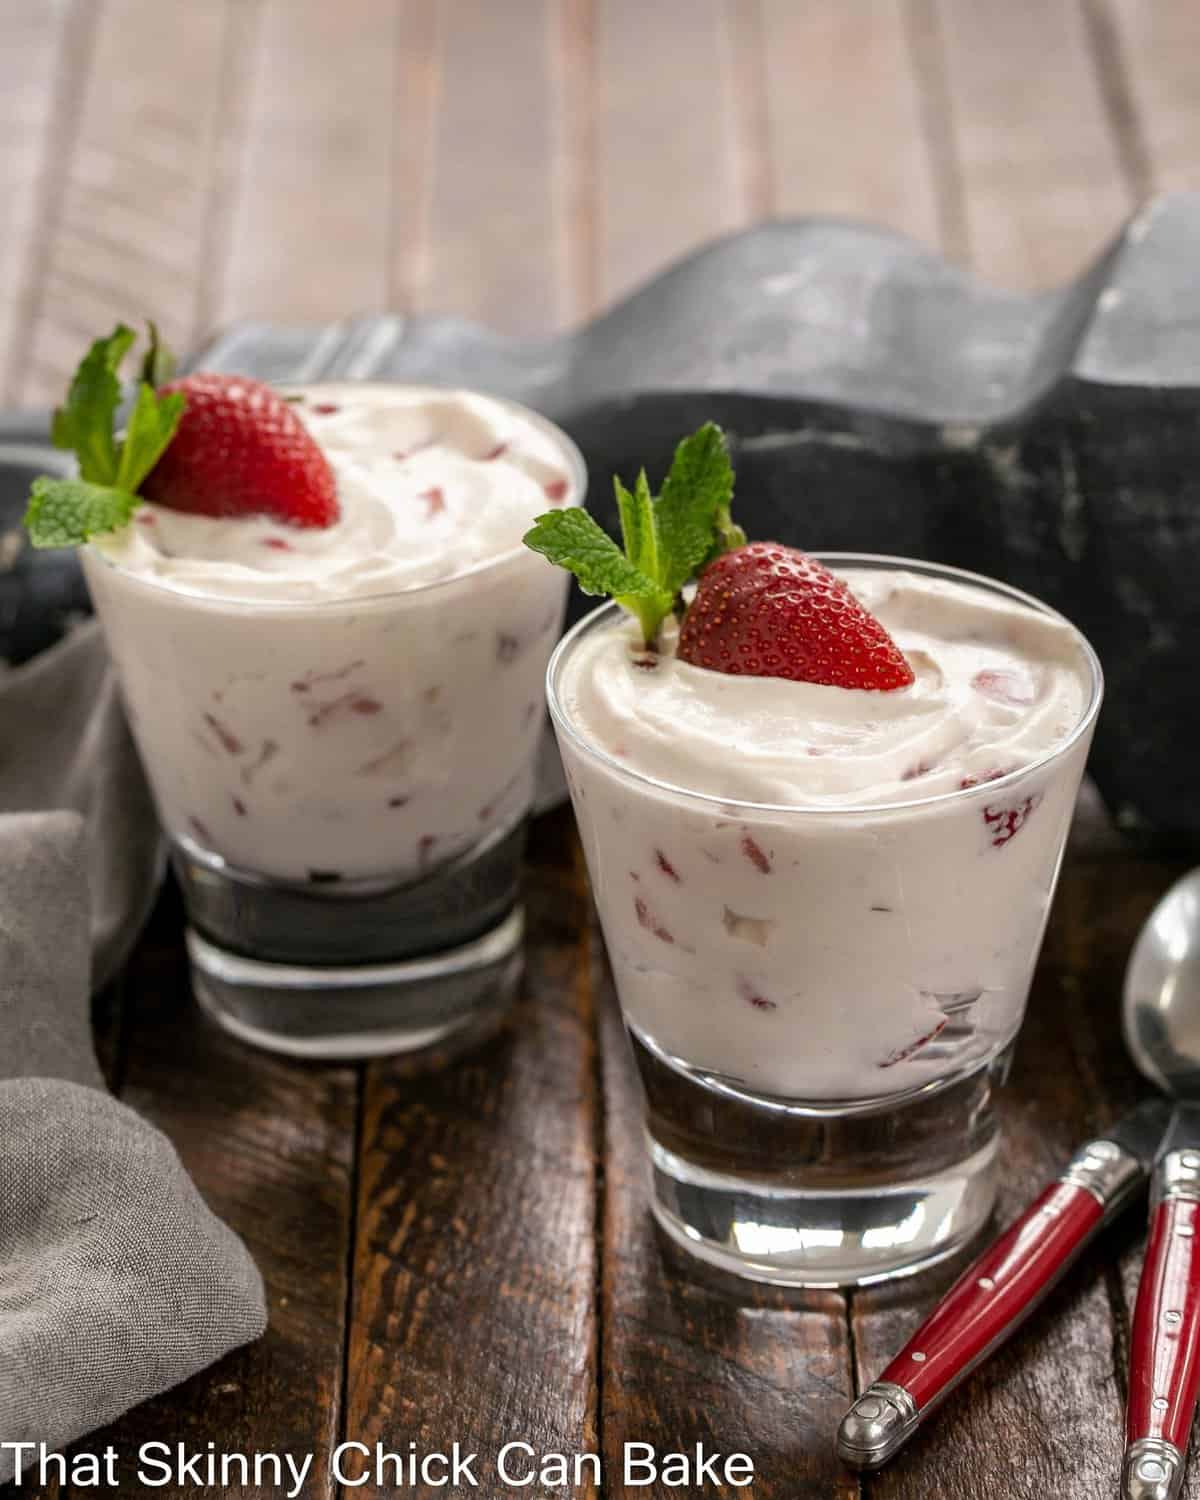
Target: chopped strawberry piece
[229, 740]
[556, 491]
[389, 762]
[1005, 823]
[435, 501]
[241, 450]
[978, 778]
[751, 995]
[754, 853]
[765, 610]
[352, 702]
[1005, 687]
[326, 408]
[1002, 821]
[497, 452]
[310, 679]
[665, 865]
[650, 922]
[268, 752]
[905, 1054]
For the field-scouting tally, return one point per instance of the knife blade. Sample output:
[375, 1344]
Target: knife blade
[999, 1290]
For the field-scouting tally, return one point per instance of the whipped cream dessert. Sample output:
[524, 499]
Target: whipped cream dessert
[872, 924]
[361, 700]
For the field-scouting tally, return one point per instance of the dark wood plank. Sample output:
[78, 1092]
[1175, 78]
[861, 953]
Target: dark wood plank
[692, 1356]
[1040, 168]
[310, 231]
[844, 115]
[270, 1145]
[125, 235]
[1003, 1434]
[474, 1271]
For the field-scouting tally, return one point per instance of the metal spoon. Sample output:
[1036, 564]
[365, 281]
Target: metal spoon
[1161, 1018]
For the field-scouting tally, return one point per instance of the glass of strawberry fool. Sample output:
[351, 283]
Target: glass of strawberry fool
[823, 818]
[331, 645]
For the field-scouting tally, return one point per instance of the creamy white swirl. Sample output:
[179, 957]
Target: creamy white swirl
[431, 483]
[997, 686]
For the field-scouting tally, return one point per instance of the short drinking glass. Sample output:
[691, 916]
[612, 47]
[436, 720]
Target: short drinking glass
[822, 1000]
[345, 783]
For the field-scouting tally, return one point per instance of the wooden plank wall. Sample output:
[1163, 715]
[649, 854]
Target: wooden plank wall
[526, 164]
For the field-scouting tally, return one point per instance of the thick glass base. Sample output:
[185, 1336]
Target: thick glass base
[825, 1195]
[429, 1009]
[339, 969]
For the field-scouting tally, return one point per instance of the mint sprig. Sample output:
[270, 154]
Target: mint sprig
[66, 512]
[668, 538]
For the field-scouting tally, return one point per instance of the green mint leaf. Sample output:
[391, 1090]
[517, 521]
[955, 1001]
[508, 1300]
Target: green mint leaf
[573, 540]
[66, 512]
[636, 511]
[158, 365]
[694, 503]
[151, 426]
[84, 423]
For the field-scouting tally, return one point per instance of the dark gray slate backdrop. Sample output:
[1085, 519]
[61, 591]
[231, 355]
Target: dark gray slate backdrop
[878, 400]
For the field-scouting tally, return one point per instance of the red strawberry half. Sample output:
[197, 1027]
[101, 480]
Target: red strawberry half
[240, 450]
[765, 610]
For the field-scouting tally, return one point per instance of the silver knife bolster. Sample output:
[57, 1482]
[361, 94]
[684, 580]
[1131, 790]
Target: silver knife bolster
[1152, 1470]
[1177, 1175]
[1109, 1172]
[878, 1424]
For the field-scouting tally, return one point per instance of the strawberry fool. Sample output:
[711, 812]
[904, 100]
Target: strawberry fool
[824, 893]
[361, 699]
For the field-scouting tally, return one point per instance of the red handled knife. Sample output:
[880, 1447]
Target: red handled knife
[998, 1291]
[1164, 1344]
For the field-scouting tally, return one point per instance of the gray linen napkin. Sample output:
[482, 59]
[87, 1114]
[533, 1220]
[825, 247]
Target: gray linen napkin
[116, 1281]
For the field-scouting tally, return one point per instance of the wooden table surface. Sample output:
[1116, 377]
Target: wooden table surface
[469, 1256]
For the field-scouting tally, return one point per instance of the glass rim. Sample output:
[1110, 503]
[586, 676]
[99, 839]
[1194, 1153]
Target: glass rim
[877, 560]
[571, 452]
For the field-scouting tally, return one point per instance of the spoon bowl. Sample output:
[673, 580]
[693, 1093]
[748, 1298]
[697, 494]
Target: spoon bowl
[1160, 1012]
